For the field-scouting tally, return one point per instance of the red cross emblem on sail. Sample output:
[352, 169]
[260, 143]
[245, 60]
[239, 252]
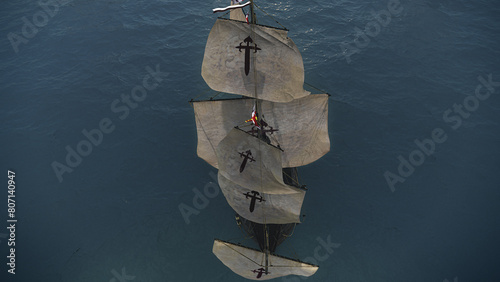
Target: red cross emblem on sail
[260, 271]
[247, 48]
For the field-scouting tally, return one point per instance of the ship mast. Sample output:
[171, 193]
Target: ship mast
[253, 18]
[253, 21]
[267, 248]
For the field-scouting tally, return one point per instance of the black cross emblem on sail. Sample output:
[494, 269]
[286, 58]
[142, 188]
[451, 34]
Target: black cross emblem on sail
[254, 197]
[254, 131]
[247, 156]
[247, 48]
[260, 271]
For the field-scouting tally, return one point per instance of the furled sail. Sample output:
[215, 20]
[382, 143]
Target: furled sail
[252, 163]
[260, 207]
[248, 262]
[254, 61]
[302, 126]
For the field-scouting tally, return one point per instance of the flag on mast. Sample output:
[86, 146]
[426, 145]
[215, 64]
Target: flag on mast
[254, 118]
[231, 7]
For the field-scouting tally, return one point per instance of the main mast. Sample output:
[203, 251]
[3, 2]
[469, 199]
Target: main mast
[253, 21]
[253, 18]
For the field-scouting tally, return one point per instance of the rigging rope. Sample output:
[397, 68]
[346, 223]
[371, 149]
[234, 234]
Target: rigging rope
[242, 254]
[270, 16]
[315, 88]
[296, 180]
[203, 93]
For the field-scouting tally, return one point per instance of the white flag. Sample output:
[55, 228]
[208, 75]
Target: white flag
[230, 7]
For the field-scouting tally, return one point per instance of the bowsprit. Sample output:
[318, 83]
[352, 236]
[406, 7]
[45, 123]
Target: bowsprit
[247, 48]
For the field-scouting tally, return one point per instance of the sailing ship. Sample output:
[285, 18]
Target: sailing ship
[257, 139]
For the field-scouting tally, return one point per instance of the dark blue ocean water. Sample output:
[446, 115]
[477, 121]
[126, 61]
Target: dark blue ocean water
[394, 81]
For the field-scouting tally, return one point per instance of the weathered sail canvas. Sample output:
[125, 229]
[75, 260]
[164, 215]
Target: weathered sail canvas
[249, 263]
[237, 14]
[252, 163]
[302, 126]
[252, 60]
[261, 207]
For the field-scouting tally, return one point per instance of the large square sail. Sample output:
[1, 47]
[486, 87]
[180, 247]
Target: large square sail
[249, 263]
[302, 126]
[253, 60]
[261, 207]
[252, 163]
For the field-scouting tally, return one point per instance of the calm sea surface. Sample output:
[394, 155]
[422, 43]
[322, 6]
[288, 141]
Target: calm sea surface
[410, 190]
